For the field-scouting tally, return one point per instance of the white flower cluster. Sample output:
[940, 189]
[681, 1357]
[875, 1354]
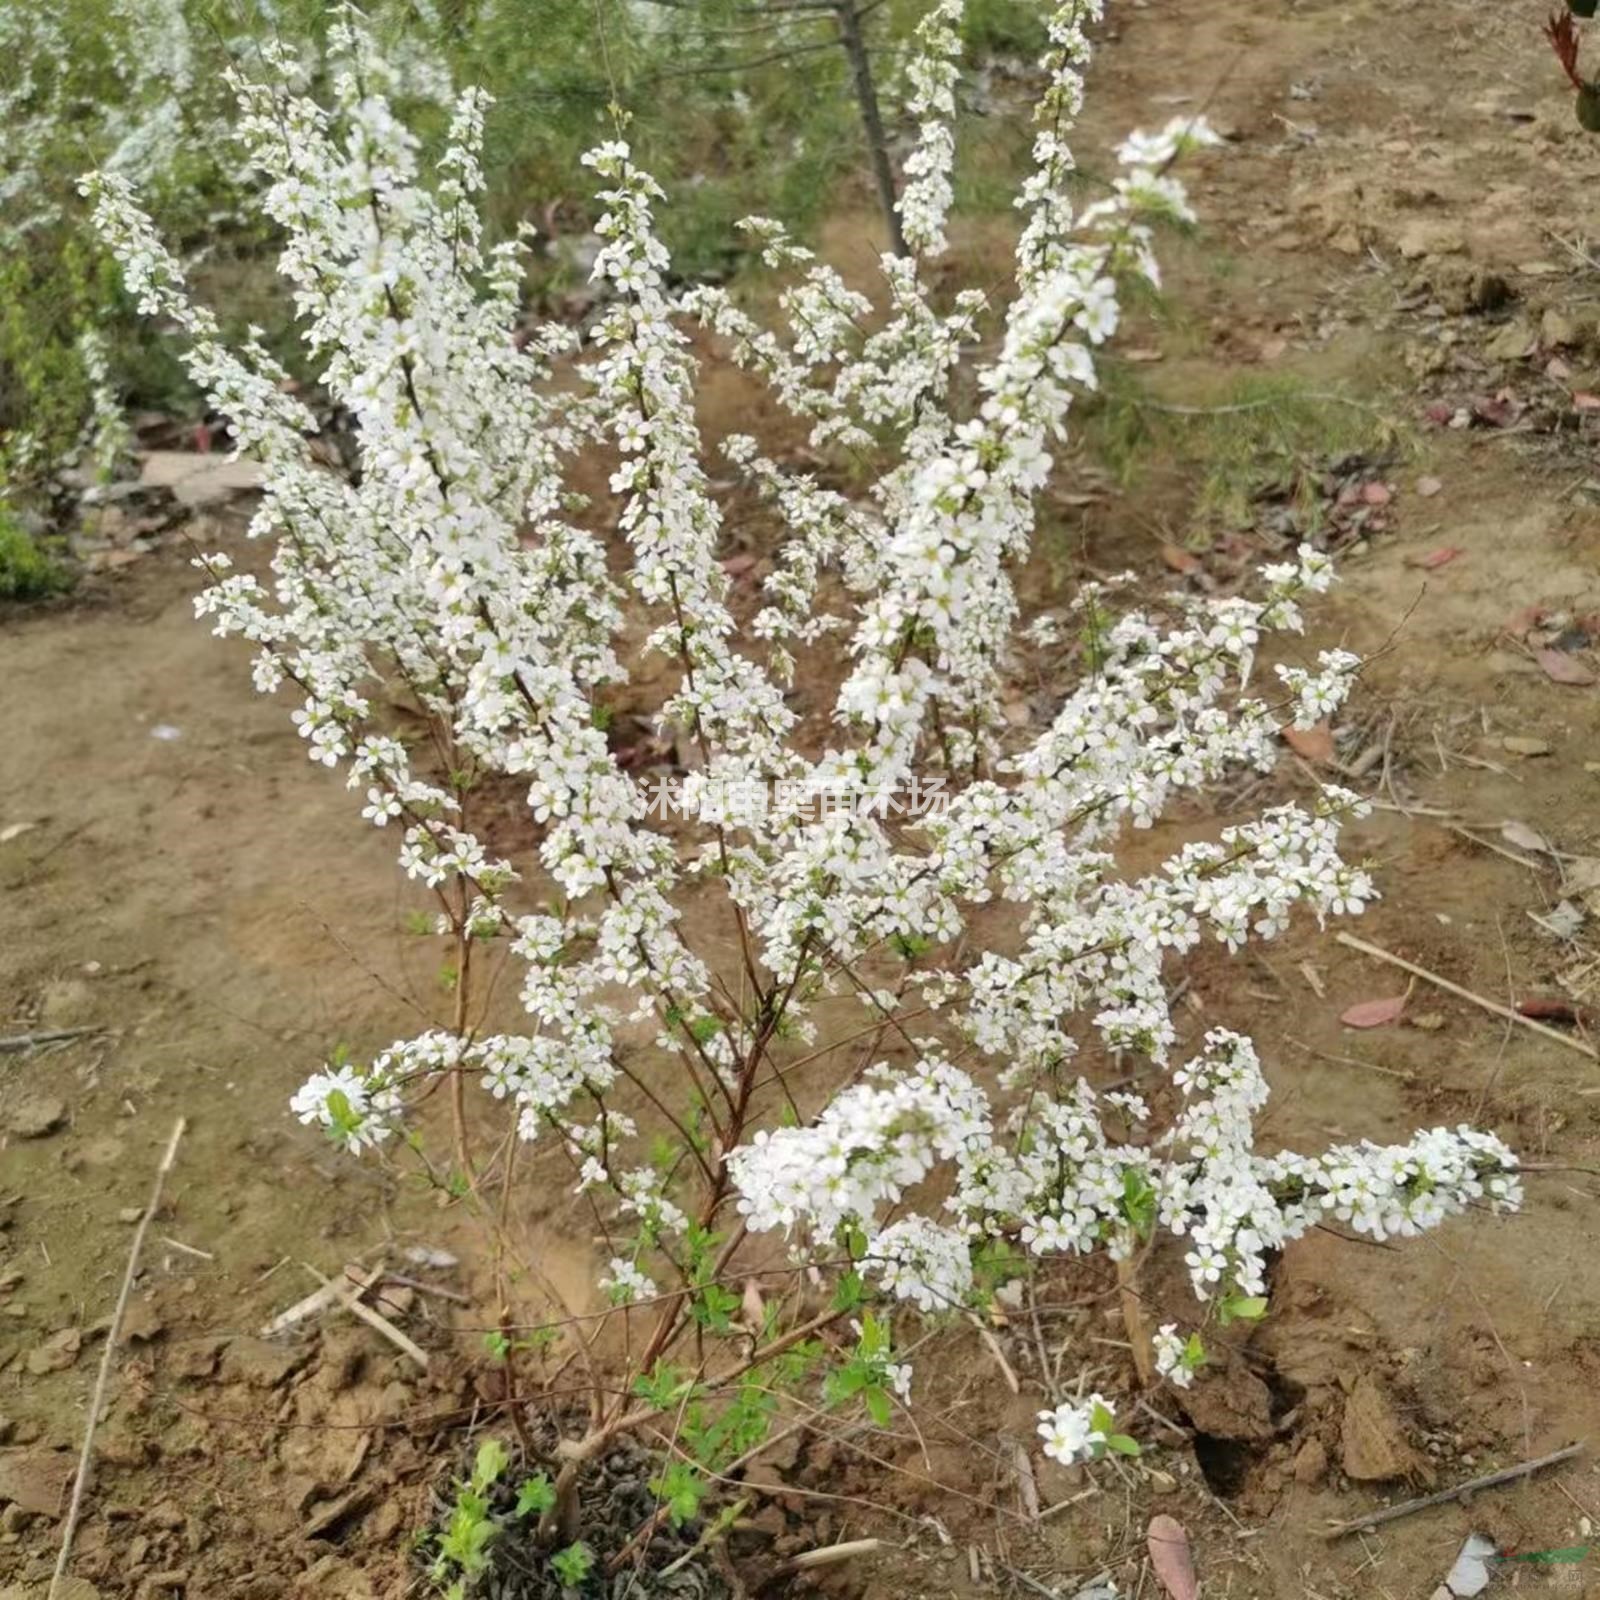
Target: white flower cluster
[924, 202]
[1070, 1433]
[450, 574]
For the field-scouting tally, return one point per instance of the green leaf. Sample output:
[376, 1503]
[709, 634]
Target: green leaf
[493, 1459]
[1122, 1444]
[536, 1496]
[877, 1403]
[573, 1564]
[1241, 1308]
[681, 1489]
[849, 1292]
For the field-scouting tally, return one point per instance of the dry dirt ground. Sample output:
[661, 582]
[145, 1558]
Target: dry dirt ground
[1402, 214]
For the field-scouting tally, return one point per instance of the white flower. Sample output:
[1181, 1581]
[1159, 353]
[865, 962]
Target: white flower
[1069, 1433]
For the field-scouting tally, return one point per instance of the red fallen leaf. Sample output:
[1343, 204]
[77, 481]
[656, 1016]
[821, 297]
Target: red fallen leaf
[1180, 560]
[1438, 412]
[1171, 1557]
[737, 566]
[1559, 667]
[1374, 1013]
[1545, 1009]
[1520, 622]
[1582, 400]
[202, 438]
[1443, 556]
[1314, 743]
[1376, 494]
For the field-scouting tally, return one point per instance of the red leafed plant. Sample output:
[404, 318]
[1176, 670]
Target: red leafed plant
[1562, 33]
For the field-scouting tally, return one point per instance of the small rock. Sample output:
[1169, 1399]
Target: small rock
[1311, 1464]
[1557, 330]
[35, 1115]
[196, 479]
[161, 1585]
[166, 1516]
[1429, 487]
[1418, 239]
[1519, 744]
[56, 1354]
[141, 1321]
[1512, 343]
[1372, 1440]
[260, 1363]
[130, 1214]
[36, 1480]
[333, 1579]
[1346, 240]
[331, 1516]
[195, 1358]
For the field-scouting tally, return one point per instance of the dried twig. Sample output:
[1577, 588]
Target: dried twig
[423, 1287]
[16, 1043]
[355, 1282]
[828, 1555]
[1489, 1480]
[373, 1319]
[1481, 1001]
[992, 1345]
[97, 1400]
[187, 1249]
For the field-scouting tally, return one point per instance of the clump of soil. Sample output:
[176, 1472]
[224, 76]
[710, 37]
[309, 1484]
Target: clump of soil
[615, 1501]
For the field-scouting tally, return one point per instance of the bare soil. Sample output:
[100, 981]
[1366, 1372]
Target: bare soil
[1401, 215]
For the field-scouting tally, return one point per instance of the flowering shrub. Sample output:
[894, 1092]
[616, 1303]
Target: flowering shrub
[670, 1070]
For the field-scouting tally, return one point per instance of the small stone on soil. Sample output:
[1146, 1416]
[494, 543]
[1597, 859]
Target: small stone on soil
[36, 1480]
[1372, 1443]
[1311, 1465]
[35, 1115]
[57, 1353]
[260, 1363]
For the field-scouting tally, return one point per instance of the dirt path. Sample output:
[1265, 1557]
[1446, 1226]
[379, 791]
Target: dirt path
[191, 885]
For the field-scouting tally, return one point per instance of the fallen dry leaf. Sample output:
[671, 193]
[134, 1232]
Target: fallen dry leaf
[1171, 1557]
[1314, 743]
[1543, 1008]
[1429, 487]
[1524, 837]
[1179, 559]
[1582, 400]
[15, 830]
[1374, 1013]
[1559, 667]
[1376, 494]
[1580, 878]
[1443, 556]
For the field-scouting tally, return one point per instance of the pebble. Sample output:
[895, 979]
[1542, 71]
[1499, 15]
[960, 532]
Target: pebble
[57, 1353]
[35, 1115]
[1522, 745]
